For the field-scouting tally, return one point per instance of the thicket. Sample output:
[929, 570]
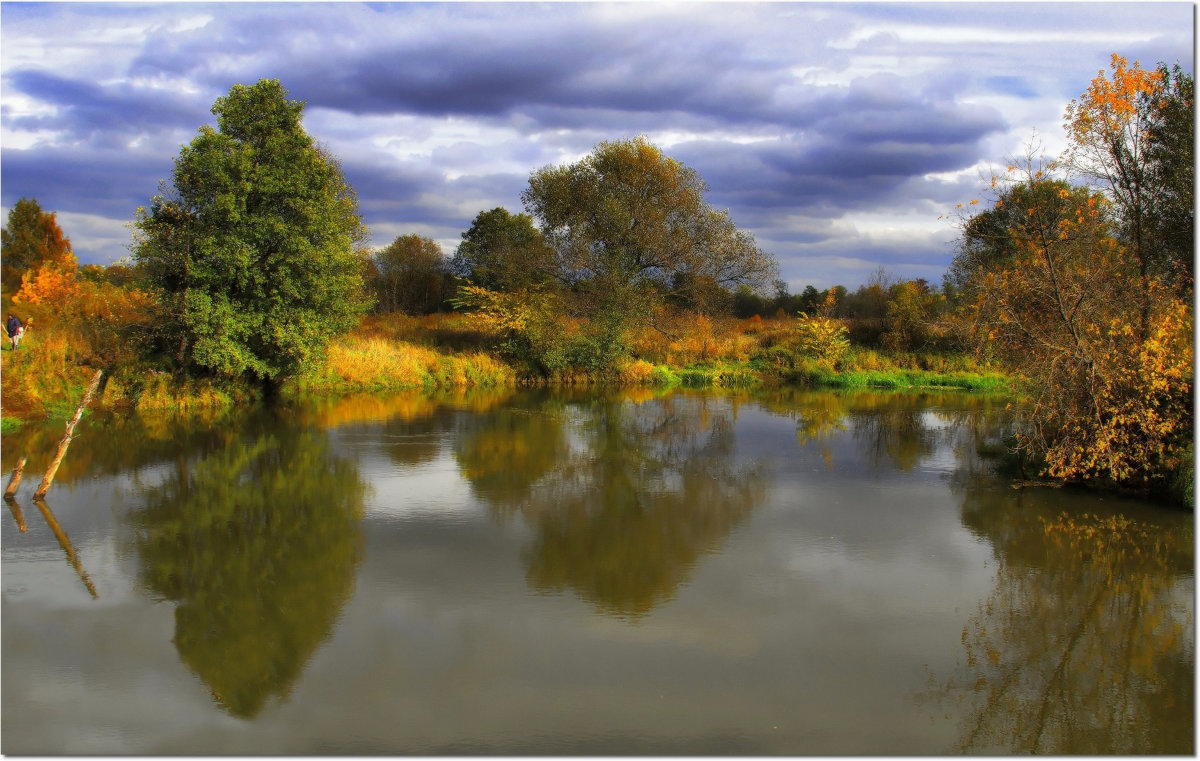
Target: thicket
[1074, 279]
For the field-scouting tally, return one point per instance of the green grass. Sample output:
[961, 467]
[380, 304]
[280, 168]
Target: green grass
[904, 380]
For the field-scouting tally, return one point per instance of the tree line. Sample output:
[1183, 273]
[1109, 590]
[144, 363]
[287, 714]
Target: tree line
[255, 253]
[1076, 273]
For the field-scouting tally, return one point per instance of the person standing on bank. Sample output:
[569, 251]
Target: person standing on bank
[12, 326]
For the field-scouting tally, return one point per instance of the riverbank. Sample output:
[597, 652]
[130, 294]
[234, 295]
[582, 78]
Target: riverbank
[45, 377]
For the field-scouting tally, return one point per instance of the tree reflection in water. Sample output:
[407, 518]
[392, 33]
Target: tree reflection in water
[624, 496]
[257, 542]
[503, 452]
[890, 430]
[1085, 644]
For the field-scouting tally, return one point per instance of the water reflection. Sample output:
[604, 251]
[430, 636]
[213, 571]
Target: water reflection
[59, 534]
[1084, 645]
[890, 431]
[18, 516]
[65, 543]
[623, 496]
[846, 587]
[894, 433]
[399, 408]
[504, 452]
[257, 542]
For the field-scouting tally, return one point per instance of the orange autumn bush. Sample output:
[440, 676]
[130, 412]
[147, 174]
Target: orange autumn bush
[1102, 348]
[98, 320]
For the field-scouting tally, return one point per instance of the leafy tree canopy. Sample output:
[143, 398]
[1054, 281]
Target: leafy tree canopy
[992, 238]
[1170, 154]
[1132, 132]
[410, 275]
[504, 252]
[254, 248]
[1101, 348]
[627, 214]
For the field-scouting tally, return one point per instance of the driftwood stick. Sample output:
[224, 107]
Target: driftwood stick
[65, 543]
[15, 481]
[66, 439]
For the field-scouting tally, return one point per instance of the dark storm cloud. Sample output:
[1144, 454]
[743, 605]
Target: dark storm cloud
[84, 180]
[800, 116]
[863, 150]
[107, 114]
[473, 60]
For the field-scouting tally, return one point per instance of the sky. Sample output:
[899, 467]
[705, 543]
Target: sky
[839, 134]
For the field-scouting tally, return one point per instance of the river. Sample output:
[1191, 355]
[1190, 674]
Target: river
[785, 572]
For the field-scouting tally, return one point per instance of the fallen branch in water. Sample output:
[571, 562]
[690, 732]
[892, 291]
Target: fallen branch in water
[66, 439]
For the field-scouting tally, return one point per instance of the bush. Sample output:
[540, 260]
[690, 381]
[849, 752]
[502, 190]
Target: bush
[822, 338]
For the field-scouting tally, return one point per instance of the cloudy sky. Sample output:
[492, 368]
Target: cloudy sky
[836, 133]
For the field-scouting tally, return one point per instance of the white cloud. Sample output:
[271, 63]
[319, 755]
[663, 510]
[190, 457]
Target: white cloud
[92, 233]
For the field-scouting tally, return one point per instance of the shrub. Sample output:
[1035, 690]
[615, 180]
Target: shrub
[822, 338]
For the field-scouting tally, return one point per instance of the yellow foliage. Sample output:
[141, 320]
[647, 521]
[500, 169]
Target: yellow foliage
[1141, 410]
[823, 338]
[1107, 111]
[1104, 351]
[48, 284]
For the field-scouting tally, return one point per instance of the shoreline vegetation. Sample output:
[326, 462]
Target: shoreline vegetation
[444, 352]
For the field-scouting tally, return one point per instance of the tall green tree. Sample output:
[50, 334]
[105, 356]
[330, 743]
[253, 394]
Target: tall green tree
[255, 246]
[629, 224]
[31, 239]
[504, 252]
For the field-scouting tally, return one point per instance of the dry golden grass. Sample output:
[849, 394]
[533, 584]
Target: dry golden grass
[373, 362]
[43, 375]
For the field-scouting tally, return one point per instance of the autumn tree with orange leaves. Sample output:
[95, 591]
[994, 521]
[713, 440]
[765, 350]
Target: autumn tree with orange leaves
[32, 240]
[1131, 132]
[1073, 289]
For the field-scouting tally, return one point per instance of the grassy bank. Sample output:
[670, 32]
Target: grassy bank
[898, 379]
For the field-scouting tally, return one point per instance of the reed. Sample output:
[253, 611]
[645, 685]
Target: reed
[159, 392]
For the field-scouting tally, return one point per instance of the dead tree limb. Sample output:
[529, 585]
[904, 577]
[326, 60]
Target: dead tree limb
[66, 439]
[15, 481]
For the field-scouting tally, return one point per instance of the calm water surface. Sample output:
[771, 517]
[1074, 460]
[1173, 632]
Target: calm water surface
[787, 573]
